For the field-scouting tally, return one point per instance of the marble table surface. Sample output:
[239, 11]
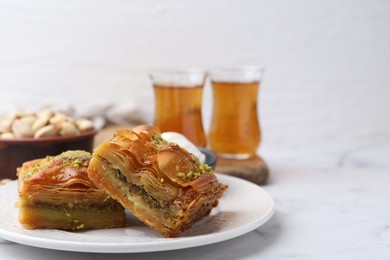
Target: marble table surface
[332, 202]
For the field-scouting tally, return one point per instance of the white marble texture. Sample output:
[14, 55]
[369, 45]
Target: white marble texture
[332, 202]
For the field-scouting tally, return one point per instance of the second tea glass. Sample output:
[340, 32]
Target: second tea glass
[235, 131]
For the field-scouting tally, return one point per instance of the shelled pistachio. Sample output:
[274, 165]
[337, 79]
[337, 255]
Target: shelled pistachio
[41, 124]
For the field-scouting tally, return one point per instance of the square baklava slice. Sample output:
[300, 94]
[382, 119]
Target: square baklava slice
[56, 193]
[161, 183]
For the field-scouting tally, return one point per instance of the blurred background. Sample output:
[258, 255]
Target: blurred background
[327, 62]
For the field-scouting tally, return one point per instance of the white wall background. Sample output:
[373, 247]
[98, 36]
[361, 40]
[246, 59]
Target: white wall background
[327, 62]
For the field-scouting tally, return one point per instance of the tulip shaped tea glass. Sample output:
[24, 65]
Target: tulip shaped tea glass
[235, 131]
[178, 102]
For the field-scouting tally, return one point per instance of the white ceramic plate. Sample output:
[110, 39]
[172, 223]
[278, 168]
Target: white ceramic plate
[243, 208]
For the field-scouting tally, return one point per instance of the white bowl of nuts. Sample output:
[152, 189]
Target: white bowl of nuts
[30, 135]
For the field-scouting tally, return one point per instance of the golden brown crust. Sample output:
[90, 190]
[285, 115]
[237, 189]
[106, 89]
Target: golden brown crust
[55, 192]
[159, 182]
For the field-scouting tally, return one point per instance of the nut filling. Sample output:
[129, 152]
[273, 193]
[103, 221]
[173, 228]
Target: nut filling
[139, 191]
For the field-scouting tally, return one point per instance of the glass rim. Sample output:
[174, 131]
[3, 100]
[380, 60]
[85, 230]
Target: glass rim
[236, 74]
[174, 77]
[179, 71]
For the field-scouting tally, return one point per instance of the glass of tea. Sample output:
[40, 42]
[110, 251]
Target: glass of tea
[178, 102]
[235, 131]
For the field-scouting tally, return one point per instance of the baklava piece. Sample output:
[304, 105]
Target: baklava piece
[162, 184]
[56, 193]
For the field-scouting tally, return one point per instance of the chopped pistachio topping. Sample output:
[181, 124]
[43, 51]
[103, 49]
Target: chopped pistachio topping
[158, 141]
[36, 168]
[197, 171]
[75, 159]
[190, 175]
[106, 196]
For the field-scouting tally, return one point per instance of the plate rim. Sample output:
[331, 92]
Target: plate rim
[163, 244]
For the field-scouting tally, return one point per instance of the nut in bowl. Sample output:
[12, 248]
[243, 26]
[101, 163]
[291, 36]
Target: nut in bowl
[27, 136]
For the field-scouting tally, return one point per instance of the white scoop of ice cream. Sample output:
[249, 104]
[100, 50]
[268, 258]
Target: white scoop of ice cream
[183, 142]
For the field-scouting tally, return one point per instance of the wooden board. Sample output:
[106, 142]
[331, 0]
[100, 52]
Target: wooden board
[253, 169]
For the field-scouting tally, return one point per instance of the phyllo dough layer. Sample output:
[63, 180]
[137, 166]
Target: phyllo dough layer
[162, 184]
[56, 193]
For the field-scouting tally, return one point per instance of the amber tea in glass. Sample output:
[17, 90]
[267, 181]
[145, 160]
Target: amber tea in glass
[178, 103]
[235, 131]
